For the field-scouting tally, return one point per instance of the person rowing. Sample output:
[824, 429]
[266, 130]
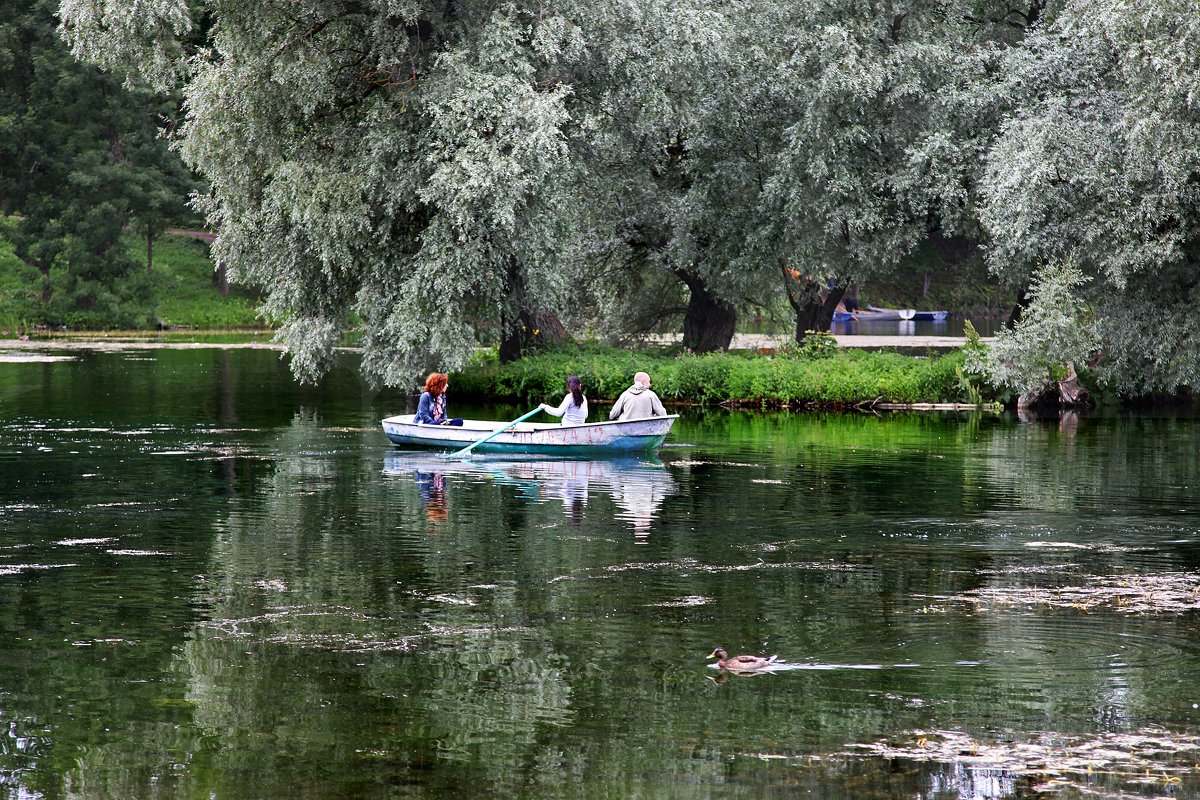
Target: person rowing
[573, 409]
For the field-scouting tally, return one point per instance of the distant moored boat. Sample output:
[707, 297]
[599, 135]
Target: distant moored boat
[874, 312]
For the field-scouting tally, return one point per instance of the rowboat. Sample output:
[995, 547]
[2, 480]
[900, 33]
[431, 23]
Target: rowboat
[931, 316]
[620, 436]
[874, 312]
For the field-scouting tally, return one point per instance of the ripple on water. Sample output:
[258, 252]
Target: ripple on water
[17, 569]
[342, 629]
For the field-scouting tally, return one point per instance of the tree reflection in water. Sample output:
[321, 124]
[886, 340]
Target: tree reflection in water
[210, 590]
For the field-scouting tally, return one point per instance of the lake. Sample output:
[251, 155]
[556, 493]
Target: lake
[217, 583]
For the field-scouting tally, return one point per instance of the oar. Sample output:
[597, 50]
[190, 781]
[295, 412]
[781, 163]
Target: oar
[490, 436]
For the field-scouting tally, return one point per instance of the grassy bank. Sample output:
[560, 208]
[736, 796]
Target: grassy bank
[819, 375]
[177, 290]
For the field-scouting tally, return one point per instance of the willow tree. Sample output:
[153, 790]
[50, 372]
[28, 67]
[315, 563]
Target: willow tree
[1099, 167]
[398, 162]
[879, 112]
[416, 166]
[642, 80]
[842, 135]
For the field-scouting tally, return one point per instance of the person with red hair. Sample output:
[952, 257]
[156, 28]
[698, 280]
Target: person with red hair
[431, 409]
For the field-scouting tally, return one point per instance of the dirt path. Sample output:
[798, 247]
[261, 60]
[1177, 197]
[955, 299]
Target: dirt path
[757, 341]
[204, 236]
[13, 350]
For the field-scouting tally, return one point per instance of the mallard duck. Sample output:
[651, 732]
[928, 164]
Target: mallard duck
[741, 663]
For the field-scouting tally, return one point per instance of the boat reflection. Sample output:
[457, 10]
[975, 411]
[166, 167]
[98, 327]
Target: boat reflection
[637, 486]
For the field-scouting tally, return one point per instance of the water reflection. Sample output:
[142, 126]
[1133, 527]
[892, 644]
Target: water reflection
[223, 596]
[637, 486]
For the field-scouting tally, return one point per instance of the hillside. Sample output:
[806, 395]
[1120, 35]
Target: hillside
[178, 291]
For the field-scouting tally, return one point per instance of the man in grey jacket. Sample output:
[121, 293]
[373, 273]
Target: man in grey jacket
[638, 401]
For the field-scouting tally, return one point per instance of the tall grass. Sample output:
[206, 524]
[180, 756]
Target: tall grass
[844, 377]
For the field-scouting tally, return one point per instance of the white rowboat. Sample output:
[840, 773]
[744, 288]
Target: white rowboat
[620, 436]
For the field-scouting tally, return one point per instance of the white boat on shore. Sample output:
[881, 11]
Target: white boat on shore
[874, 312]
[620, 436]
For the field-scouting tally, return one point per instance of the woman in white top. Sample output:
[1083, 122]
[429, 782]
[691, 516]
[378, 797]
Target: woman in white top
[573, 408]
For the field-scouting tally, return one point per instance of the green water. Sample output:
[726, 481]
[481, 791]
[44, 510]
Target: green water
[216, 583]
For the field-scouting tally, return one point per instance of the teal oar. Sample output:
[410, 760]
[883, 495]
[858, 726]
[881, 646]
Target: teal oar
[490, 436]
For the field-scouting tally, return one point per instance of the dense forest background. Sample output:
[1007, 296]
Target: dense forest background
[437, 176]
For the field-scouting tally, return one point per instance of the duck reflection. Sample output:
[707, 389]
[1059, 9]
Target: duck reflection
[723, 674]
[637, 486]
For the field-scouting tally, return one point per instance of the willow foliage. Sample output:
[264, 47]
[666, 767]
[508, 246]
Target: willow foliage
[1099, 163]
[432, 170]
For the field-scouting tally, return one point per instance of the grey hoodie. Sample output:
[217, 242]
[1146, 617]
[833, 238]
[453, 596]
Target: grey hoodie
[637, 402]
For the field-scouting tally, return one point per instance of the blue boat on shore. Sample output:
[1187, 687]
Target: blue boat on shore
[873, 314]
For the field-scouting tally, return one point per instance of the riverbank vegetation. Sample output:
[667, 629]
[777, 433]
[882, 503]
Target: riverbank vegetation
[816, 374]
[176, 290]
[448, 177]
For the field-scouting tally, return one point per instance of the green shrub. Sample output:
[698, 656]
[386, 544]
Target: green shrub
[702, 378]
[842, 377]
[816, 344]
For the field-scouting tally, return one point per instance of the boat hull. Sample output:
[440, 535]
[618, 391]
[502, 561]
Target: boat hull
[931, 316]
[873, 312]
[624, 436]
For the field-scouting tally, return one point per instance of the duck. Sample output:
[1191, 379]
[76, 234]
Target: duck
[741, 663]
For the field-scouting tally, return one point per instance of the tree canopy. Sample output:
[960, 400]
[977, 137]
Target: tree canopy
[445, 172]
[81, 159]
[1098, 164]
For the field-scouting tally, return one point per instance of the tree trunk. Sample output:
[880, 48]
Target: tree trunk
[47, 287]
[529, 331]
[1018, 310]
[816, 314]
[813, 304]
[149, 247]
[709, 322]
[1067, 392]
[1070, 393]
[531, 328]
[220, 279]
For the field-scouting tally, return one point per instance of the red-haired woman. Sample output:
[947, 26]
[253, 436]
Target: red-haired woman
[431, 410]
